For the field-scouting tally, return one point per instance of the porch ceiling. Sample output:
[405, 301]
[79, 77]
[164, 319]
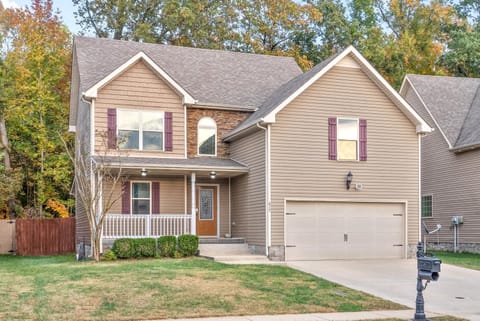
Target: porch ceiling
[174, 166]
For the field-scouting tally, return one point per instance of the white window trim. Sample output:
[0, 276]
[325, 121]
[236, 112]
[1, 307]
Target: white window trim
[358, 139]
[131, 196]
[198, 137]
[140, 129]
[421, 206]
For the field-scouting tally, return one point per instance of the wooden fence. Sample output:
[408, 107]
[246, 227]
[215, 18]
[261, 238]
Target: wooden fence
[45, 236]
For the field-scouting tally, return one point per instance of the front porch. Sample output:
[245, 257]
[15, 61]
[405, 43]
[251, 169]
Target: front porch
[159, 199]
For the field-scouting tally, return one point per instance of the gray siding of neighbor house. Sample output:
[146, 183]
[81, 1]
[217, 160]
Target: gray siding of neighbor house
[300, 167]
[454, 183]
[140, 88]
[248, 191]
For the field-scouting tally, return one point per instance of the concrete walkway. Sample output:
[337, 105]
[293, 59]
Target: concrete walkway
[345, 316]
[456, 293]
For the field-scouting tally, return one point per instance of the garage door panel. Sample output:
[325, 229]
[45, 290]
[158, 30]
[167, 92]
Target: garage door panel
[336, 230]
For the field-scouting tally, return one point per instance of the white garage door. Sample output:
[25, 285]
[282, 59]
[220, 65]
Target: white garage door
[338, 230]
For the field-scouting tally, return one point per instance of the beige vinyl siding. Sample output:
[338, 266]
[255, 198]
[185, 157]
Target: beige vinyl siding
[140, 88]
[172, 195]
[223, 193]
[453, 181]
[248, 191]
[299, 149]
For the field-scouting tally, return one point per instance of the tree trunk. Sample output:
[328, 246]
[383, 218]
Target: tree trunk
[6, 160]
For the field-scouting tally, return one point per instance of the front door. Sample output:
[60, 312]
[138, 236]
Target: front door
[207, 210]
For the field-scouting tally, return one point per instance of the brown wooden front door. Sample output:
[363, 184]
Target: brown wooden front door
[207, 210]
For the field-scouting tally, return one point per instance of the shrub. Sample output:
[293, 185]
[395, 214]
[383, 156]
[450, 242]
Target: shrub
[188, 244]
[167, 245]
[124, 248]
[145, 247]
[109, 256]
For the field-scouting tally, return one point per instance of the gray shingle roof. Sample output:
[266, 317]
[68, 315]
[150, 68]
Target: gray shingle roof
[210, 76]
[280, 95]
[455, 104]
[177, 163]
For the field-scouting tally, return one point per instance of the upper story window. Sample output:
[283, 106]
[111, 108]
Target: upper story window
[140, 197]
[427, 206]
[347, 139]
[207, 137]
[140, 130]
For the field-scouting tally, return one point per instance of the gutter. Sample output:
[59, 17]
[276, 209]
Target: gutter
[464, 148]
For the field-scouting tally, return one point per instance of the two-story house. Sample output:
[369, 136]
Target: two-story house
[315, 165]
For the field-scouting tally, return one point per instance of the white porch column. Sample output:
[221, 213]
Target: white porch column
[193, 230]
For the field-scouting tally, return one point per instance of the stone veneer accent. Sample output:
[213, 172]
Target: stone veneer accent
[461, 247]
[226, 121]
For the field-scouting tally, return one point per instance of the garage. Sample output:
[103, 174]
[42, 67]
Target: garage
[344, 230]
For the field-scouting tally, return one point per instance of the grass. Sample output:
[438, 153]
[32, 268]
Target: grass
[58, 288]
[466, 260]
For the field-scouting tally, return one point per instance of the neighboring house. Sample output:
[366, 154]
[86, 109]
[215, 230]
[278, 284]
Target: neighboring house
[263, 149]
[450, 156]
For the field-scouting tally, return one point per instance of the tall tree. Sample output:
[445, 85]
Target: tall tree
[462, 58]
[416, 37]
[38, 58]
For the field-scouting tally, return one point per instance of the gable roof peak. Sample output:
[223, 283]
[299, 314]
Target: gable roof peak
[292, 89]
[454, 105]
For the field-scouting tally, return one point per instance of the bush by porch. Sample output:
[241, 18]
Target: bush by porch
[58, 288]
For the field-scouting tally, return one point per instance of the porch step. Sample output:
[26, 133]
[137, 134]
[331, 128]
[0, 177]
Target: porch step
[244, 259]
[221, 240]
[215, 249]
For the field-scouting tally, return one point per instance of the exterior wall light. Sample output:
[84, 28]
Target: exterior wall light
[348, 180]
[213, 175]
[143, 172]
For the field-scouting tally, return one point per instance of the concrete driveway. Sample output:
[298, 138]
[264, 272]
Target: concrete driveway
[456, 293]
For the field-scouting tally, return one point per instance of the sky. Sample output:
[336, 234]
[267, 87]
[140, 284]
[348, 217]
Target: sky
[65, 7]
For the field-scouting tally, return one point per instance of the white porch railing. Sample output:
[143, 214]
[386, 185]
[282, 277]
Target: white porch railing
[137, 226]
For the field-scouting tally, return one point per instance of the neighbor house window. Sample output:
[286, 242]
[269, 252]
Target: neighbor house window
[427, 206]
[347, 139]
[141, 130]
[141, 198]
[207, 137]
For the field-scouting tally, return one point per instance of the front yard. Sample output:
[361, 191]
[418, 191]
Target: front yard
[466, 260]
[58, 288]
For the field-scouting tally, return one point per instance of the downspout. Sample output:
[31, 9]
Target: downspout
[92, 138]
[420, 187]
[267, 189]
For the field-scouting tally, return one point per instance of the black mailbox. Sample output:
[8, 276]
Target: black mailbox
[429, 268]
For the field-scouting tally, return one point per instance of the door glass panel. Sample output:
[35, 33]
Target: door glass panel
[206, 204]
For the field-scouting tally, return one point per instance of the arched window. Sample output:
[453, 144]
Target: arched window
[207, 137]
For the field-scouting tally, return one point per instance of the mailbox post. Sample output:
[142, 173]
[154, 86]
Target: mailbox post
[428, 270]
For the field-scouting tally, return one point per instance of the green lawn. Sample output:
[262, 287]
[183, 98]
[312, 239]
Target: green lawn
[467, 260]
[58, 288]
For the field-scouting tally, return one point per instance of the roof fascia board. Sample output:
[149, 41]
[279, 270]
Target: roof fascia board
[93, 91]
[412, 86]
[421, 125]
[180, 167]
[464, 148]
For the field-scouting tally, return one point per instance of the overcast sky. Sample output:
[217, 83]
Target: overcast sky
[65, 7]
